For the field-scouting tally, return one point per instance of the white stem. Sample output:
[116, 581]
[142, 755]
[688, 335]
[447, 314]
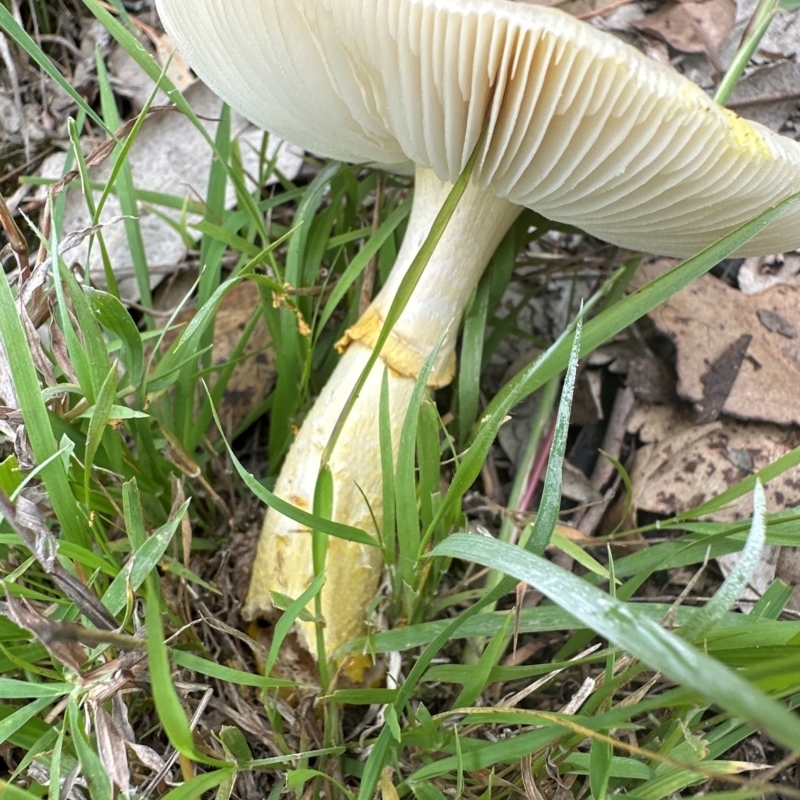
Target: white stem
[479, 222]
[284, 562]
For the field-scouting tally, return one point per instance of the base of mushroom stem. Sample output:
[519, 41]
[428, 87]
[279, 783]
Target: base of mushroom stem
[298, 665]
[283, 561]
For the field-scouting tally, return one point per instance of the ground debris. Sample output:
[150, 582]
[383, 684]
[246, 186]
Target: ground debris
[706, 319]
[693, 27]
[682, 465]
[169, 157]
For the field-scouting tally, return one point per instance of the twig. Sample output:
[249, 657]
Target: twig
[604, 470]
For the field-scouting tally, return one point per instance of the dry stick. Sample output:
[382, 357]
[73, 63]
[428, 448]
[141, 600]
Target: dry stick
[763, 99]
[604, 470]
[27, 165]
[782, 765]
[153, 783]
[16, 240]
[81, 595]
[492, 488]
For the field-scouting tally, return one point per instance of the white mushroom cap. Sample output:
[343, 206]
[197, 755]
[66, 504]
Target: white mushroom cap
[581, 127]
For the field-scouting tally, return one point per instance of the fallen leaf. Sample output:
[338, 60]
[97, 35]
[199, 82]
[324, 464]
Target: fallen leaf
[253, 377]
[775, 323]
[21, 613]
[788, 570]
[744, 13]
[782, 39]
[650, 380]
[619, 18]
[681, 465]
[708, 317]
[111, 749]
[718, 380]
[761, 578]
[692, 27]
[768, 95]
[27, 522]
[170, 157]
[178, 69]
[581, 8]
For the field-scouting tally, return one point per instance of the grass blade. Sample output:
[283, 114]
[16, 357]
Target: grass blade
[37, 422]
[97, 427]
[706, 617]
[22, 38]
[639, 635]
[143, 561]
[547, 517]
[200, 784]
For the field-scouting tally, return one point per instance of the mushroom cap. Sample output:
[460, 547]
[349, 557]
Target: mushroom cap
[580, 126]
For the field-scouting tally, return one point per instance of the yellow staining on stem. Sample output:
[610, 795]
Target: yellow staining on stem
[398, 354]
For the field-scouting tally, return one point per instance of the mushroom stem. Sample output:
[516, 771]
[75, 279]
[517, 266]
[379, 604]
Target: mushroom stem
[284, 561]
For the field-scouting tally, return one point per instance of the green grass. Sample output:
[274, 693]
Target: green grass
[115, 550]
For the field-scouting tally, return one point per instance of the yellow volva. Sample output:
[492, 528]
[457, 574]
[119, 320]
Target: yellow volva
[578, 126]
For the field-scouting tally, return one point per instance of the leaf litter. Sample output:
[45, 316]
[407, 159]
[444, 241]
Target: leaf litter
[743, 447]
[708, 318]
[169, 157]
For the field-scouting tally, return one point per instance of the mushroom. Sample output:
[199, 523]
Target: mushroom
[578, 126]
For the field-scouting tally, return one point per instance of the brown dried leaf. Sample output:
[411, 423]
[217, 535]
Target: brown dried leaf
[585, 9]
[692, 27]
[42, 363]
[170, 156]
[719, 378]
[178, 70]
[775, 323]
[148, 757]
[788, 570]
[782, 39]
[682, 465]
[26, 521]
[8, 394]
[650, 380]
[111, 749]
[16, 433]
[587, 405]
[113, 677]
[768, 95]
[119, 713]
[61, 353]
[20, 612]
[135, 84]
[708, 317]
[44, 544]
[253, 376]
